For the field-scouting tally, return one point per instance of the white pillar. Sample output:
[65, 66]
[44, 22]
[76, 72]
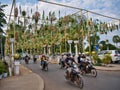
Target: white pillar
[76, 49]
[70, 48]
[70, 42]
[17, 68]
[12, 58]
[44, 49]
[49, 49]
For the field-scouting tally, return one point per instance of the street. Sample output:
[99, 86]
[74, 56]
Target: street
[54, 79]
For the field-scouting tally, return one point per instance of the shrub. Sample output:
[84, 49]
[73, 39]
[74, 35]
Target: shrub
[96, 59]
[3, 67]
[107, 59]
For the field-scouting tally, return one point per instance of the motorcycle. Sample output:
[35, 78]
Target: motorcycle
[27, 58]
[62, 64]
[44, 65]
[75, 76]
[88, 68]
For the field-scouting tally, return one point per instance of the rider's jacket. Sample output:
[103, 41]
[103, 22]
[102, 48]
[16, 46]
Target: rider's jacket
[69, 61]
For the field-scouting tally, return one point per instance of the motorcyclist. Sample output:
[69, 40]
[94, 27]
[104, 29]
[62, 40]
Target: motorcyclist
[44, 60]
[27, 59]
[80, 62]
[34, 58]
[62, 61]
[68, 63]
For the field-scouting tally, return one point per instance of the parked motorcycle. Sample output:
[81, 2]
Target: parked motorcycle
[75, 76]
[88, 68]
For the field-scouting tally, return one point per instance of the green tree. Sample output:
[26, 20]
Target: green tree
[2, 17]
[116, 39]
[94, 41]
[2, 23]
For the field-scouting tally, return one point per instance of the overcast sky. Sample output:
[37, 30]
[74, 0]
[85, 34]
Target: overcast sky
[106, 7]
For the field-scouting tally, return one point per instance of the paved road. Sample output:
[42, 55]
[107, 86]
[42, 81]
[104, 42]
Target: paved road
[54, 79]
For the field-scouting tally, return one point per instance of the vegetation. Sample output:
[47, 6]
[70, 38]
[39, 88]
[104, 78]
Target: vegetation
[3, 67]
[2, 17]
[96, 59]
[107, 59]
[38, 31]
[2, 24]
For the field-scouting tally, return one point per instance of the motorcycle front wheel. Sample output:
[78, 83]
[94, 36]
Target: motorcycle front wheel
[94, 72]
[79, 82]
[46, 67]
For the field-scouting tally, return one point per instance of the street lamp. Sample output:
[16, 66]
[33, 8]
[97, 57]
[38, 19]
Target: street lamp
[70, 42]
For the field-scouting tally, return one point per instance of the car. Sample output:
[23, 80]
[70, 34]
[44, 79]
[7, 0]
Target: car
[115, 55]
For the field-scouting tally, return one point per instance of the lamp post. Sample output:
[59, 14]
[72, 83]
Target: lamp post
[70, 42]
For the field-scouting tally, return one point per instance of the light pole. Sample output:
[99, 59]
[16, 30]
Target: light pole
[70, 42]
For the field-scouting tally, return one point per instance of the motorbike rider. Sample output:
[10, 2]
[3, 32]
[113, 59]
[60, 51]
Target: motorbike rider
[62, 60]
[68, 63]
[43, 60]
[34, 58]
[27, 59]
[80, 62]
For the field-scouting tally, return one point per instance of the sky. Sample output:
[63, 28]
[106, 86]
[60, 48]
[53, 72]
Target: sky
[105, 7]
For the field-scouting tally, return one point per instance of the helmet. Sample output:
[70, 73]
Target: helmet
[68, 54]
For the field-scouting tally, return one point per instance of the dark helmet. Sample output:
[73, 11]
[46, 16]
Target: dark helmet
[68, 54]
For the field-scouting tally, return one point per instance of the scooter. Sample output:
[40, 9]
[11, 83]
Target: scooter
[75, 76]
[88, 68]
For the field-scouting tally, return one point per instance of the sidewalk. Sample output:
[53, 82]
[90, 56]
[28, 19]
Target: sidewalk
[110, 67]
[27, 80]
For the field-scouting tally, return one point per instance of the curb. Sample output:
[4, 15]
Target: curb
[41, 81]
[107, 69]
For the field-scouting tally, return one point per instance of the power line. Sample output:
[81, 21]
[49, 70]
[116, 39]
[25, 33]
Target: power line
[79, 9]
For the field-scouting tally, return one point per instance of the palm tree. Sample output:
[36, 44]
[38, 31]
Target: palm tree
[36, 17]
[2, 17]
[115, 39]
[24, 14]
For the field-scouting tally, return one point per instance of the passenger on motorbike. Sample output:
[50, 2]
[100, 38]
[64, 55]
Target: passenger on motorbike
[68, 63]
[81, 60]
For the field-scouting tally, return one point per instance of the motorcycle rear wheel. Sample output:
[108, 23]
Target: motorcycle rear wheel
[94, 72]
